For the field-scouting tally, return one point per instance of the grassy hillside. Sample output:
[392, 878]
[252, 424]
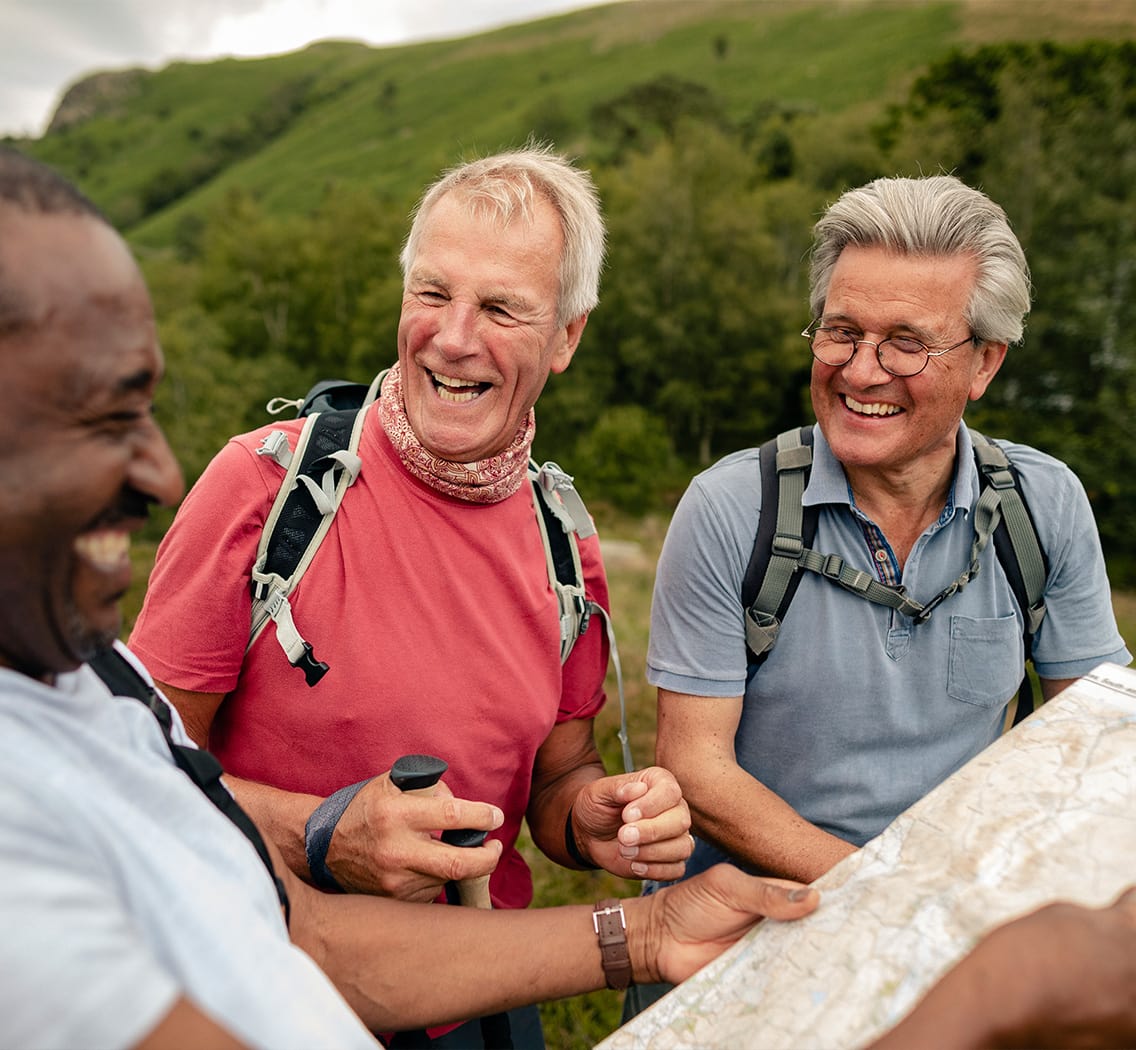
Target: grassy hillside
[290, 127]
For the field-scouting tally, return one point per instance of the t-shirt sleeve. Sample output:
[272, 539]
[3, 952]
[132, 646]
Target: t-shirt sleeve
[582, 695]
[1079, 630]
[697, 641]
[194, 624]
[75, 970]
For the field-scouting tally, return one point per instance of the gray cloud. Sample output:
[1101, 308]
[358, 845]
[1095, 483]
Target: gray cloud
[46, 45]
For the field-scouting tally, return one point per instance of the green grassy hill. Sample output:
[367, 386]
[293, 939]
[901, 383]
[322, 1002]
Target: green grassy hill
[291, 127]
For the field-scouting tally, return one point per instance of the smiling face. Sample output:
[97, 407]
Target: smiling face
[877, 422]
[478, 334]
[80, 452]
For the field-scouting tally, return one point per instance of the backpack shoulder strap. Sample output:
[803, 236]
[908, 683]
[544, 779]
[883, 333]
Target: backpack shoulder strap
[785, 530]
[1018, 549]
[121, 677]
[561, 516]
[563, 519]
[318, 472]
[1015, 539]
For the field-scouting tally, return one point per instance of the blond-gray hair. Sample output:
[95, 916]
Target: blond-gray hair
[509, 184]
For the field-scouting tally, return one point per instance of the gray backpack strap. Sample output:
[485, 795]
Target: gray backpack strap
[563, 518]
[785, 464]
[781, 552]
[1026, 570]
[559, 523]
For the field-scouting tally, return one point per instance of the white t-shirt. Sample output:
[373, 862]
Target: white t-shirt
[123, 888]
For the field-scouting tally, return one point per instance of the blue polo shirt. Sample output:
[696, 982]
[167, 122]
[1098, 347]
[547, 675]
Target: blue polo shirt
[858, 712]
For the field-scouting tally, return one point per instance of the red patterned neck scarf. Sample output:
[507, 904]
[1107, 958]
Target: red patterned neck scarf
[485, 481]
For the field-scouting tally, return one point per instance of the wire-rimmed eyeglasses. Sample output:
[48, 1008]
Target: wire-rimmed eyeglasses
[899, 355]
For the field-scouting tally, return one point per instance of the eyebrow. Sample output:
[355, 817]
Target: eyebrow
[497, 298]
[918, 331]
[141, 380]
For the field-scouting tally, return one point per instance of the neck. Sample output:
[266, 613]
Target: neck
[903, 503]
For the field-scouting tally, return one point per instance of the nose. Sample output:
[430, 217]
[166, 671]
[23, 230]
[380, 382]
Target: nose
[864, 368]
[154, 471]
[456, 329]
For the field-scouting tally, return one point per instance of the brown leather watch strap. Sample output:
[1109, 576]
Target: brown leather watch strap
[611, 929]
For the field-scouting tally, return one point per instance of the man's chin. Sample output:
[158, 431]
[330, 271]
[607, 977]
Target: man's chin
[89, 637]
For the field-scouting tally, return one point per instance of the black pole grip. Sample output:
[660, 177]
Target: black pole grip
[414, 772]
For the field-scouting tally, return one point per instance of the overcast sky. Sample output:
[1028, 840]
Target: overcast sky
[46, 45]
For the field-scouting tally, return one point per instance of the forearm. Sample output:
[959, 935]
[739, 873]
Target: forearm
[728, 806]
[280, 815]
[405, 965]
[738, 814]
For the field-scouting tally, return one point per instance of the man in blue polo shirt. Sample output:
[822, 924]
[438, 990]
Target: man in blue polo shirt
[918, 286]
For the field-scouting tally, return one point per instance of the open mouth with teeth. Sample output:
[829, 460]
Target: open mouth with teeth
[875, 408]
[457, 390]
[105, 550]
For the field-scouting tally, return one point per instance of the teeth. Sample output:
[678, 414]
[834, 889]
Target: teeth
[451, 389]
[106, 550]
[877, 408]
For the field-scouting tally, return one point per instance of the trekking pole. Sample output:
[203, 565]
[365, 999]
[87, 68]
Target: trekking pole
[419, 773]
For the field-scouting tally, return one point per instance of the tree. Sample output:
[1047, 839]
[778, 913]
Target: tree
[1050, 133]
[698, 300]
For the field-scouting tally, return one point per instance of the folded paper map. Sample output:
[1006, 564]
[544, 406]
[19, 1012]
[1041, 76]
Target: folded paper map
[1047, 812]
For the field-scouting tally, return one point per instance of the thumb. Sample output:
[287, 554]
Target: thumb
[782, 899]
[773, 898]
[606, 793]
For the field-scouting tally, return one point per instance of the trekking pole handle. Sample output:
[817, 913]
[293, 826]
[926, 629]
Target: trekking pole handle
[420, 773]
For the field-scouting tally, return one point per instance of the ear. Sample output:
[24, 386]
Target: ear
[569, 340]
[990, 357]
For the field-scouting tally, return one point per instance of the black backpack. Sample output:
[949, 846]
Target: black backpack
[787, 529]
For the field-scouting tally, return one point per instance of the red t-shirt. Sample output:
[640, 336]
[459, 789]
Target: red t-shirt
[435, 616]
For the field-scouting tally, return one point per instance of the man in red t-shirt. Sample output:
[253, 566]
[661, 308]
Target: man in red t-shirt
[429, 597]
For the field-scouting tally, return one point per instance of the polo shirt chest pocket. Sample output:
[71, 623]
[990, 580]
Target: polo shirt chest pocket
[987, 660]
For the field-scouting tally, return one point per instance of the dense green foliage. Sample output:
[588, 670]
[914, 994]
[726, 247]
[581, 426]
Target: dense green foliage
[268, 200]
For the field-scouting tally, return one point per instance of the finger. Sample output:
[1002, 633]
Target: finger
[671, 830]
[423, 814]
[433, 865]
[470, 862]
[463, 813]
[770, 897]
[662, 793]
[660, 871]
[606, 795]
[674, 850]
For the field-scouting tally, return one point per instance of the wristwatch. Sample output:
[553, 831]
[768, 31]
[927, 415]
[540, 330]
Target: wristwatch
[611, 929]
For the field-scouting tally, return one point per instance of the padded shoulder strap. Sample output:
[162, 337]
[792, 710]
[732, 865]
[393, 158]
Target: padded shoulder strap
[1018, 548]
[563, 520]
[558, 531]
[122, 679]
[785, 529]
[1015, 539]
[324, 464]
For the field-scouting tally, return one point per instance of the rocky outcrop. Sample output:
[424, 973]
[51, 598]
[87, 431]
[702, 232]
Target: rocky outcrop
[96, 95]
